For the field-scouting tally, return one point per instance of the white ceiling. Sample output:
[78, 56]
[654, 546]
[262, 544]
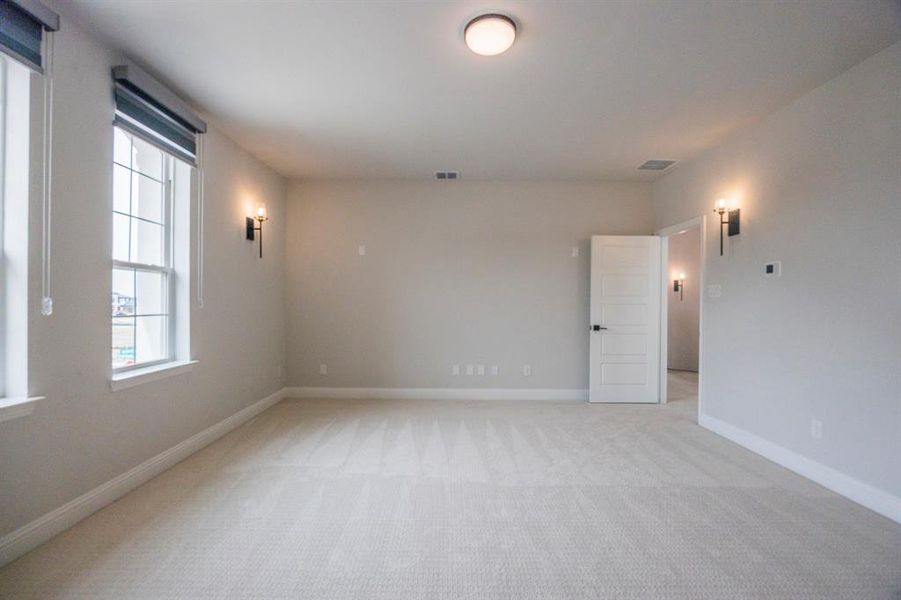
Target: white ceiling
[590, 90]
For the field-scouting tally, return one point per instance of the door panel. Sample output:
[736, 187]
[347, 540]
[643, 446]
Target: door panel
[624, 374]
[625, 304]
[625, 314]
[618, 344]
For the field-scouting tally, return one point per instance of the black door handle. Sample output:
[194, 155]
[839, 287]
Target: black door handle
[597, 328]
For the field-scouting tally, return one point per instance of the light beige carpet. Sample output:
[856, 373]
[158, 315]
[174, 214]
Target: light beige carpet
[510, 500]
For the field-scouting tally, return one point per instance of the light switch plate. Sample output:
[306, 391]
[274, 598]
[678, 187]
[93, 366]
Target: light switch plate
[527, 370]
[575, 251]
[362, 249]
[455, 370]
[714, 290]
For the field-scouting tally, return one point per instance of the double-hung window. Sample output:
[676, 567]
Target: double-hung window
[144, 279]
[155, 147]
[26, 51]
[14, 205]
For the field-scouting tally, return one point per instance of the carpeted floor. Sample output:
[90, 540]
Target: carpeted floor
[509, 500]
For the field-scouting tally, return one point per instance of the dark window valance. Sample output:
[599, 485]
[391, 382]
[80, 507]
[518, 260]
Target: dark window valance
[22, 26]
[149, 109]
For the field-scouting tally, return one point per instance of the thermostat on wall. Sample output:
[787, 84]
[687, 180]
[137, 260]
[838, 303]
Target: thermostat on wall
[773, 269]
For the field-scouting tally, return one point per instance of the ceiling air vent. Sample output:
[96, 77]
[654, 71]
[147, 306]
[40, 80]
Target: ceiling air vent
[443, 175]
[656, 165]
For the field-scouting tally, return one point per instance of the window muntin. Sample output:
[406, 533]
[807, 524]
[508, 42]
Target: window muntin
[143, 276]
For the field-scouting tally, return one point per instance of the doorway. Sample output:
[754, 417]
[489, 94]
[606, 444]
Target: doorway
[682, 261]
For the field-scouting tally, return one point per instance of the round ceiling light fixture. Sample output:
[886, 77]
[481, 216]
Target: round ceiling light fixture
[490, 34]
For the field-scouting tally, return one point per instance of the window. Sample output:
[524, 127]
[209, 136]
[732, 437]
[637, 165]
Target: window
[147, 202]
[26, 57]
[156, 146]
[15, 122]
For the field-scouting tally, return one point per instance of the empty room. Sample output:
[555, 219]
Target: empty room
[397, 299]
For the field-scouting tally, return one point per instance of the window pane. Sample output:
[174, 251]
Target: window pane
[123, 342]
[147, 159]
[121, 189]
[121, 147]
[151, 288]
[120, 237]
[150, 339]
[147, 199]
[123, 292]
[147, 243]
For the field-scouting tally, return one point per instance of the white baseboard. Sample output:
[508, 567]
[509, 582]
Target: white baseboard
[349, 393]
[864, 494]
[29, 536]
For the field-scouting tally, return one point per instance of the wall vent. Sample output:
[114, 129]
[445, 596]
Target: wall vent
[444, 175]
[656, 165]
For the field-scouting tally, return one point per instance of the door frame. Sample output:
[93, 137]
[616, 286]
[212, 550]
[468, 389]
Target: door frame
[665, 233]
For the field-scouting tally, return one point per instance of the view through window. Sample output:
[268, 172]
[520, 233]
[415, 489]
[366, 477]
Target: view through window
[142, 253]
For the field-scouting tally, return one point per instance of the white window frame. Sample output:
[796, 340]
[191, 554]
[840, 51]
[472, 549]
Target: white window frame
[3, 283]
[15, 195]
[177, 325]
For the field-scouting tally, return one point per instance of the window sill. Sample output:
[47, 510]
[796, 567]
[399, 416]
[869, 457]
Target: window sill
[13, 408]
[128, 379]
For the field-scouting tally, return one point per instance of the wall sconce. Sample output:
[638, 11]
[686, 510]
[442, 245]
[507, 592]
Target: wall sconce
[727, 217]
[255, 223]
[679, 285]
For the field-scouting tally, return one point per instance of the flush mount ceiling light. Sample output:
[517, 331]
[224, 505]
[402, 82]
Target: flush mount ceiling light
[490, 34]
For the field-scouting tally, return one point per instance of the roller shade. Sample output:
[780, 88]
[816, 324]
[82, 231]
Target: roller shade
[147, 108]
[22, 25]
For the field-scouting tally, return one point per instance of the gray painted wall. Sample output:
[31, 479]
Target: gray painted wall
[684, 256]
[818, 183]
[82, 435]
[454, 273]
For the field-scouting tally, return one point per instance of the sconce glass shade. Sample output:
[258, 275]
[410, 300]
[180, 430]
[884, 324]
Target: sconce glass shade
[681, 276]
[260, 214]
[721, 204]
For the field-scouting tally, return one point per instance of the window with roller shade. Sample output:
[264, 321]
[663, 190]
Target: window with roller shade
[25, 49]
[155, 142]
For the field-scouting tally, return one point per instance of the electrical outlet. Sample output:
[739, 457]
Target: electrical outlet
[323, 369]
[714, 290]
[575, 251]
[361, 249]
[455, 370]
[494, 370]
[816, 429]
[527, 370]
[773, 269]
[469, 369]
[480, 369]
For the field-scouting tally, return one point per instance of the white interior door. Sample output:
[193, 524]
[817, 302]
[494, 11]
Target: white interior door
[625, 319]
